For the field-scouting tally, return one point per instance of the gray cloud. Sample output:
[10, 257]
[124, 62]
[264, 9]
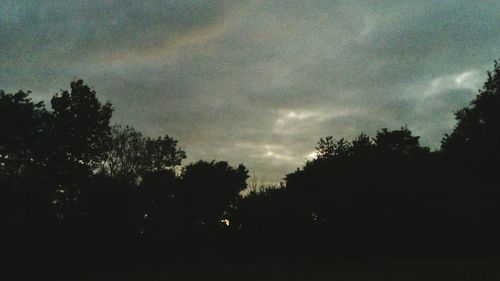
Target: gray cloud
[257, 81]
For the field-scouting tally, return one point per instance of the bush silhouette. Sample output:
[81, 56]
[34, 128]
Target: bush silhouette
[77, 189]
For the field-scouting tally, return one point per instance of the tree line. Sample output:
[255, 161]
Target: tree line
[76, 190]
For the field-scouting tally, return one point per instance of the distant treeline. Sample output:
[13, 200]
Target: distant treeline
[76, 190]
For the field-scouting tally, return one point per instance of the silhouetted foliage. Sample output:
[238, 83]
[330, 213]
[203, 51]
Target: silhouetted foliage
[131, 155]
[210, 190]
[27, 219]
[81, 125]
[398, 144]
[329, 148]
[22, 139]
[477, 133]
[75, 190]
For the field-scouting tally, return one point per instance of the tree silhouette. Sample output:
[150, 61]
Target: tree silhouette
[27, 217]
[477, 133]
[329, 148]
[124, 158]
[73, 186]
[161, 207]
[132, 155]
[398, 144]
[81, 125]
[210, 190]
[23, 130]
[80, 135]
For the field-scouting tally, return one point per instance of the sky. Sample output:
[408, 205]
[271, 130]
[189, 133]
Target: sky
[257, 82]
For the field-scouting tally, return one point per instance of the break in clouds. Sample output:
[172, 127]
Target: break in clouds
[257, 82]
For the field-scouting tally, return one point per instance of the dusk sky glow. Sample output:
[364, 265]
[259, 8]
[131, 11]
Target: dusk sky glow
[257, 82]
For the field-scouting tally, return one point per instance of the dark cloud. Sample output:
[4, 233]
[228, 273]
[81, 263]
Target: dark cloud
[257, 81]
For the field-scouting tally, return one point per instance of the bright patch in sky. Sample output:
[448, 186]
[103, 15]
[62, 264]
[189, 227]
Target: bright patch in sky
[257, 82]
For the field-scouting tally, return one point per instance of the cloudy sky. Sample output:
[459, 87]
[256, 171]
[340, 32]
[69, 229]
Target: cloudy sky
[258, 81]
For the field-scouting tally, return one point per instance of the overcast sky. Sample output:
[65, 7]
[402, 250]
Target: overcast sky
[257, 82]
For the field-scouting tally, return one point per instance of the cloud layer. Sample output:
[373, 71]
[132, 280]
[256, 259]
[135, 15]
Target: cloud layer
[255, 81]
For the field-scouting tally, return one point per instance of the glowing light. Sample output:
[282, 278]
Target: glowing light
[465, 80]
[312, 155]
[294, 115]
[225, 221]
[463, 77]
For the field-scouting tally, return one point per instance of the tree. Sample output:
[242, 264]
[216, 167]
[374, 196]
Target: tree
[27, 218]
[163, 153]
[362, 146]
[81, 125]
[210, 190]
[330, 148]
[398, 144]
[161, 207]
[132, 155]
[477, 132]
[125, 157]
[23, 132]
[80, 134]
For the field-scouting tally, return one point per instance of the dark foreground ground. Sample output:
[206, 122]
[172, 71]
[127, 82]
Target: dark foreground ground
[456, 270]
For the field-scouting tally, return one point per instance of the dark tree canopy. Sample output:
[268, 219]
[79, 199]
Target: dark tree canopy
[211, 188]
[81, 124]
[330, 148]
[383, 196]
[478, 126]
[23, 128]
[398, 144]
[132, 155]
